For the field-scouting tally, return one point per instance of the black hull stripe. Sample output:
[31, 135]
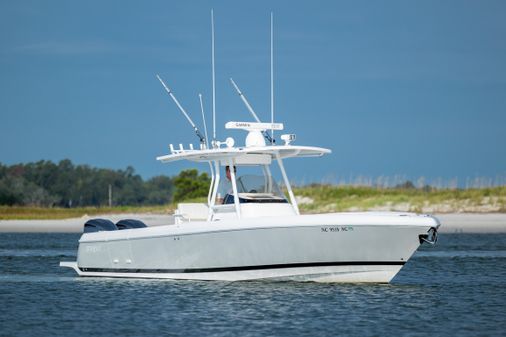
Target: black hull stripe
[242, 268]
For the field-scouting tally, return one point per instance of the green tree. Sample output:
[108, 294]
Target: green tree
[159, 190]
[45, 183]
[189, 184]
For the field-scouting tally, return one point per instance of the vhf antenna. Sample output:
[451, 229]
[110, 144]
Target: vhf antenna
[214, 90]
[250, 109]
[202, 139]
[272, 78]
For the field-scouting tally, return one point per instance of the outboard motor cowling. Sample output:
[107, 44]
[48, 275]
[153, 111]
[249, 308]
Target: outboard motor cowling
[130, 224]
[98, 225]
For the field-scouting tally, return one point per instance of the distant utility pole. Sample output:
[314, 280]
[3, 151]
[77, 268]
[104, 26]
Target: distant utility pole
[110, 195]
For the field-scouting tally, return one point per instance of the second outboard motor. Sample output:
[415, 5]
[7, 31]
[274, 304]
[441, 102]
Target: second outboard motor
[130, 224]
[98, 225]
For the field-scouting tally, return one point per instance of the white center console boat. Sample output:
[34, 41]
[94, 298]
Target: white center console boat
[249, 229]
[259, 234]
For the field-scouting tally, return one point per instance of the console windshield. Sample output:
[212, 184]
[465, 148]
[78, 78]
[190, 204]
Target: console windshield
[253, 188]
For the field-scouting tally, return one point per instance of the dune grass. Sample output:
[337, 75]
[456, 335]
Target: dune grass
[321, 198]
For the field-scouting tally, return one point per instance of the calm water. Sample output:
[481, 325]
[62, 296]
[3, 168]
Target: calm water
[455, 288]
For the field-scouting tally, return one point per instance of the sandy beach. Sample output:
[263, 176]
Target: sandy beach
[472, 223]
[75, 225]
[450, 223]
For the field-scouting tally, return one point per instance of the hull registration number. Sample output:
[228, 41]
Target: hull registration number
[334, 229]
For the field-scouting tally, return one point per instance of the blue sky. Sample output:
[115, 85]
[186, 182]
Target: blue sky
[414, 88]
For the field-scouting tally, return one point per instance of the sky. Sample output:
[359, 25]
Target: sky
[411, 88]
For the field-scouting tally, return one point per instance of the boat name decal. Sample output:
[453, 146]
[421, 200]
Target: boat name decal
[93, 249]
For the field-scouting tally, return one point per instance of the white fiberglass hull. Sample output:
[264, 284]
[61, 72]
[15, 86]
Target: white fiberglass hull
[341, 274]
[345, 247]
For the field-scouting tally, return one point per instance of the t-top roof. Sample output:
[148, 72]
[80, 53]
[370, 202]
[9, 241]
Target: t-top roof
[222, 154]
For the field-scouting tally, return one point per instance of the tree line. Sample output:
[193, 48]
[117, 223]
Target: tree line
[63, 184]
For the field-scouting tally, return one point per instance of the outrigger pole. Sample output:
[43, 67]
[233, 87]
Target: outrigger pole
[199, 134]
[250, 109]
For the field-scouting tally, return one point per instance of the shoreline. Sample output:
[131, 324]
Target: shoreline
[75, 225]
[450, 223]
[472, 222]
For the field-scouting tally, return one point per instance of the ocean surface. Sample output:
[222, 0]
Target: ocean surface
[457, 288]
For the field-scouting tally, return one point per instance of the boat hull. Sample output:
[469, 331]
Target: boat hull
[318, 249]
[356, 273]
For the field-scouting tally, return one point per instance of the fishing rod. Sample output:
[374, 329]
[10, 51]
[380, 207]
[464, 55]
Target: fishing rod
[250, 109]
[197, 131]
[203, 117]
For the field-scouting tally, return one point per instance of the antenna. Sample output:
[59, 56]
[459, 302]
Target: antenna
[202, 139]
[272, 79]
[203, 118]
[266, 135]
[214, 85]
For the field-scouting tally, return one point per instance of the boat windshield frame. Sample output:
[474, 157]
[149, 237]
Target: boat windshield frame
[242, 156]
[231, 162]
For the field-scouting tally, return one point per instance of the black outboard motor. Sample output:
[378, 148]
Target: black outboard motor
[130, 224]
[98, 225]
